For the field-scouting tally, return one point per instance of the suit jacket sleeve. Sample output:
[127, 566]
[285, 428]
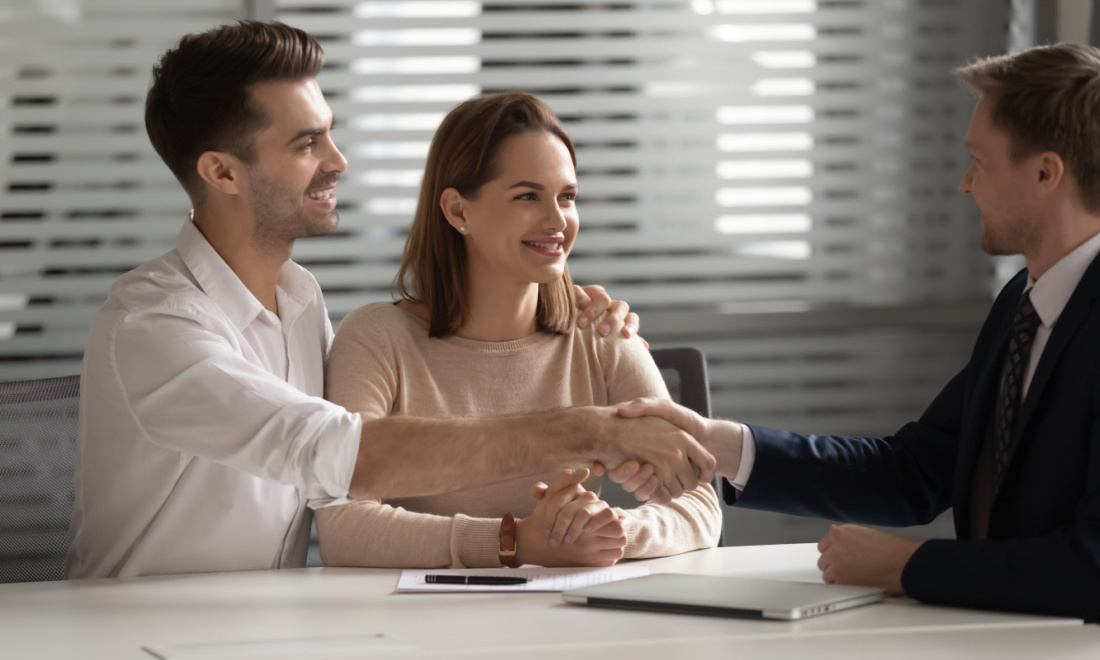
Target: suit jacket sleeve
[1055, 570]
[907, 479]
[859, 479]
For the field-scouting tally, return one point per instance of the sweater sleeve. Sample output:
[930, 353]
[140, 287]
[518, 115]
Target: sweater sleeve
[373, 534]
[363, 375]
[690, 522]
[362, 369]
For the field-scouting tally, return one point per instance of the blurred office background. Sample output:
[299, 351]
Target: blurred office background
[773, 181]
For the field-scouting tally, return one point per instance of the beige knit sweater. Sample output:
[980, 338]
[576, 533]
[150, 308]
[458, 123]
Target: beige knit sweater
[383, 363]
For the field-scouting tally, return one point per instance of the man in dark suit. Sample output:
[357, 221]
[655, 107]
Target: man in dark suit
[1013, 441]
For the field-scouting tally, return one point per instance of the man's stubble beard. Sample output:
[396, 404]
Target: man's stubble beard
[281, 217]
[1022, 236]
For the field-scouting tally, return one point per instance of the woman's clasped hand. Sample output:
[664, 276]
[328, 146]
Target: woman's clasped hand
[592, 532]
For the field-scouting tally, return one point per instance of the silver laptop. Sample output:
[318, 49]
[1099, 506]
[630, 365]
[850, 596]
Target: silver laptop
[724, 596]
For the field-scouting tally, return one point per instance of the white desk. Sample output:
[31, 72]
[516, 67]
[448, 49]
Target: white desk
[115, 618]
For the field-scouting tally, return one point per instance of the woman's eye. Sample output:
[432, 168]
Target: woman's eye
[526, 196]
[569, 197]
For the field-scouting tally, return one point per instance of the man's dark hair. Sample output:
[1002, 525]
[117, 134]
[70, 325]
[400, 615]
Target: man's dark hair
[199, 97]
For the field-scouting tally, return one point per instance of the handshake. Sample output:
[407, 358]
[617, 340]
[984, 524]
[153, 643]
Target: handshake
[570, 526]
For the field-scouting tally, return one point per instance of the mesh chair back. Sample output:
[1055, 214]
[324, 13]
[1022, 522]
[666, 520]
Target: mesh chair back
[38, 427]
[684, 370]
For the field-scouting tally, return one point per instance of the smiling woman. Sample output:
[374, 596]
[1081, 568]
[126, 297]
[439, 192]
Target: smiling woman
[485, 328]
[464, 176]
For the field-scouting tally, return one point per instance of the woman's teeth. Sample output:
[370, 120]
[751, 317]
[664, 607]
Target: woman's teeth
[544, 246]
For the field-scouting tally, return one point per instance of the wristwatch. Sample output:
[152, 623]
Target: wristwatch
[508, 541]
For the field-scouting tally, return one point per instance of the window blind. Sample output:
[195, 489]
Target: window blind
[775, 182]
[772, 181]
[84, 197]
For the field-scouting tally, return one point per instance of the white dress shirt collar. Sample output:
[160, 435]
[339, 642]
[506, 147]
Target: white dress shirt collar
[1051, 292]
[294, 292]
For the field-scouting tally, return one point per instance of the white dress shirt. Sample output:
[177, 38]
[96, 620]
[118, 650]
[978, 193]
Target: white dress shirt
[1049, 295]
[202, 428]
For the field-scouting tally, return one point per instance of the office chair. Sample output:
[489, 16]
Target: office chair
[685, 373]
[38, 428]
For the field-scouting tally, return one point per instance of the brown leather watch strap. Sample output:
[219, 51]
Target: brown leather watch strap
[508, 541]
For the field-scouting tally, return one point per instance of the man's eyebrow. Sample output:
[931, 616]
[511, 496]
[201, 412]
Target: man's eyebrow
[311, 131]
[536, 186]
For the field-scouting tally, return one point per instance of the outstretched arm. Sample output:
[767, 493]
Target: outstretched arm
[406, 456]
[414, 456]
[907, 479]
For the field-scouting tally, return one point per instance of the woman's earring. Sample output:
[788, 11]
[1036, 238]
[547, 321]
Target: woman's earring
[462, 229]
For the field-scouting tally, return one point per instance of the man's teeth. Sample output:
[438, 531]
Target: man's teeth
[320, 194]
[545, 246]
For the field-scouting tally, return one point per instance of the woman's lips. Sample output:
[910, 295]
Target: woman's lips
[552, 249]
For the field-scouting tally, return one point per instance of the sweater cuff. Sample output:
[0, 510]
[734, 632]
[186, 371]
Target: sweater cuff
[630, 550]
[475, 542]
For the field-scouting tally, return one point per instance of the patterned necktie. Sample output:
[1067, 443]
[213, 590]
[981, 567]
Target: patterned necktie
[1012, 380]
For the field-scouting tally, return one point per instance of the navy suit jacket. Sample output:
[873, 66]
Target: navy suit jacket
[1042, 554]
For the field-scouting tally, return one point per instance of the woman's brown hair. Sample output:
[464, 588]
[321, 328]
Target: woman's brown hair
[463, 156]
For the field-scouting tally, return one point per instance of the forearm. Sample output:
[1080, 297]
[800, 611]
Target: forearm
[368, 533]
[409, 456]
[690, 522]
[901, 480]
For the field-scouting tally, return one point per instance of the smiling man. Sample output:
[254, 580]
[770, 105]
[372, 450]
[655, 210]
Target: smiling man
[203, 433]
[1012, 443]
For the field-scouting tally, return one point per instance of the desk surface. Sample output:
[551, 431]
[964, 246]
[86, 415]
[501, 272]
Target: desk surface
[115, 618]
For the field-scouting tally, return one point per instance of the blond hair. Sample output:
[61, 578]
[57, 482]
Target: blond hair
[1047, 98]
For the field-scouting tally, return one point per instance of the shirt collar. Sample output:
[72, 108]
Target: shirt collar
[218, 281]
[1051, 292]
[298, 290]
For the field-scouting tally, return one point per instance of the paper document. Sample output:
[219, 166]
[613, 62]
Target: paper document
[538, 578]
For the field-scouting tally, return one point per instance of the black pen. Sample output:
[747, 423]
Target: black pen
[473, 579]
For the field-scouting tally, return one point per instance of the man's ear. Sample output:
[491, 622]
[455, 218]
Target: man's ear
[222, 171]
[454, 208]
[1052, 169]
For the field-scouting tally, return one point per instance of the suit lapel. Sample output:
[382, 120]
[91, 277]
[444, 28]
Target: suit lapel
[1069, 321]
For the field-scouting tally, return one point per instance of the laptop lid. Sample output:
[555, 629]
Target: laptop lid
[724, 596]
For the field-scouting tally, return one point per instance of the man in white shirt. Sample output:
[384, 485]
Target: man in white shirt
[1012, 443]
[203, 433]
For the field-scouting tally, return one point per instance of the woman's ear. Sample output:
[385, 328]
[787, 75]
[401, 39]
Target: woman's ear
[454, 209]
[221, 170]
